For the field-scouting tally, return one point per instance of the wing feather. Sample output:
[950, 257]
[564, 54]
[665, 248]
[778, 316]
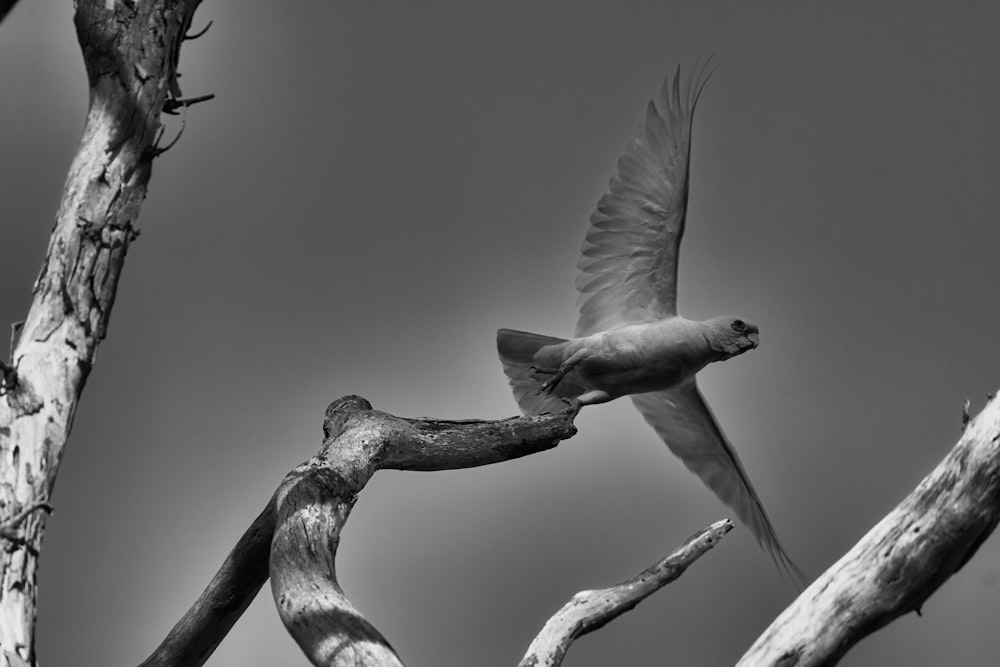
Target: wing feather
[683, 420]
[627, 271]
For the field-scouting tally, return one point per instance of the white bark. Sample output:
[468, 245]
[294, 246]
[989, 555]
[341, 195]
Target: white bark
[130, 53]
[900, 562]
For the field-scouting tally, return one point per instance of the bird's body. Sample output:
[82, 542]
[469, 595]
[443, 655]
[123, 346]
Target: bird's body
[632, 359]
[630, 340]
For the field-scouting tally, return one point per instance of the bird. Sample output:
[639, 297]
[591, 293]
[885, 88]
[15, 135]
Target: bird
[630, 339]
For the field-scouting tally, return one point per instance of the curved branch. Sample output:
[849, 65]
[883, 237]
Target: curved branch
[591, 610]
[306, 515]
[900, 562]
[313, 504]
[891, 571]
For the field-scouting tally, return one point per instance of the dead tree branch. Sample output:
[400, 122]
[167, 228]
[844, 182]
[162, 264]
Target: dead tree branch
[296, 535]
[130, 51]
[591, 610]
[891, 571]
[900, 562]
[195, 637]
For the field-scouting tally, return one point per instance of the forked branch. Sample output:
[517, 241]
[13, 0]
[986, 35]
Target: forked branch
[893, 570]
[295, 537]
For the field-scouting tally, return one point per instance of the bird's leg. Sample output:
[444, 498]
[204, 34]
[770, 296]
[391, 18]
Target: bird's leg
[593, 397]
[565, 367]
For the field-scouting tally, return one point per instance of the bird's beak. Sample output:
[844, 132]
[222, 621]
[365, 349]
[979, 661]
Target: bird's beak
[754, 338]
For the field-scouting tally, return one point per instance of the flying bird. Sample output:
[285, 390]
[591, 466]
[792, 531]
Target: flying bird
[630, 340]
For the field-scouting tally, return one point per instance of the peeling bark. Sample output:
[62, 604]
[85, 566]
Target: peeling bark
[297, 535]
[893, 569]
[130, 52]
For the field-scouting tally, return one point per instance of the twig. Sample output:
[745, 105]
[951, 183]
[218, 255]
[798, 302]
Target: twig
[188, 37]
[171, 105]
[297, 534]
[157, 151]
[15, 336]
[590, 610]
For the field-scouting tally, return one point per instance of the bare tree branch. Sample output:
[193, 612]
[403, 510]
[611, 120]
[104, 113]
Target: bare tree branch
[130, 51]
[195, 637]
[310, 507]
[892, 570]
[900, 562]
[591, 610]
[313, 506]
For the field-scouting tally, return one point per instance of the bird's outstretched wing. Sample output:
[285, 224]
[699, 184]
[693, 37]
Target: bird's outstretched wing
[627, 271]
[684, 421]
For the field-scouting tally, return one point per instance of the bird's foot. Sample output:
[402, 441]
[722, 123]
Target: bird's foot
[549, 385]
[565, 367]
[572, 406]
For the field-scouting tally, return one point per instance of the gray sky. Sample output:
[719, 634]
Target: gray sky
[379, 186]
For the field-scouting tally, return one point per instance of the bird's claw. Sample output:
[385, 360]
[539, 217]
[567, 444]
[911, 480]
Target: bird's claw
[549, 385]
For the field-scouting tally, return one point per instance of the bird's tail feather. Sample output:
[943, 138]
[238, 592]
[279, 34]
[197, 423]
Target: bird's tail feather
[517, 350]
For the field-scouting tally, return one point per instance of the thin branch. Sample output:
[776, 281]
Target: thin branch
[900, 562]
[157, 150]
[174, 103]
[188, 37]
[15, 335]
[591, 610]
[197, 634]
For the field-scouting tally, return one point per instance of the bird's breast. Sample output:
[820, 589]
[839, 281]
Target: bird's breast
[640, 358]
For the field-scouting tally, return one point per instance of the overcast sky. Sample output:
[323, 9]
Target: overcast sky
[379, 186]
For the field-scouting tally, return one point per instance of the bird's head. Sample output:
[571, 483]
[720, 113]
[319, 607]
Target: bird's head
[729, 336]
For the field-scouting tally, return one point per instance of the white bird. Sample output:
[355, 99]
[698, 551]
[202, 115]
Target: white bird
[630, 339]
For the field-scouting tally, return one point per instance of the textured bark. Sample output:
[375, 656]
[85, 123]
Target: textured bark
[900, 562]
[130, 52]
[892, 570]
[314, 503]
[299, 530]
[591, 610]
[316, 498]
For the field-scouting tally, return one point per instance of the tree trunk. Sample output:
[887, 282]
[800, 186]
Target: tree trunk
[130, 51]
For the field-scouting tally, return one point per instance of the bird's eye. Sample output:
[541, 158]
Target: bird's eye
[739, 326]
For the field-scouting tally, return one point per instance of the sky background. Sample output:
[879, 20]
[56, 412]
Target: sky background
[379, 186]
